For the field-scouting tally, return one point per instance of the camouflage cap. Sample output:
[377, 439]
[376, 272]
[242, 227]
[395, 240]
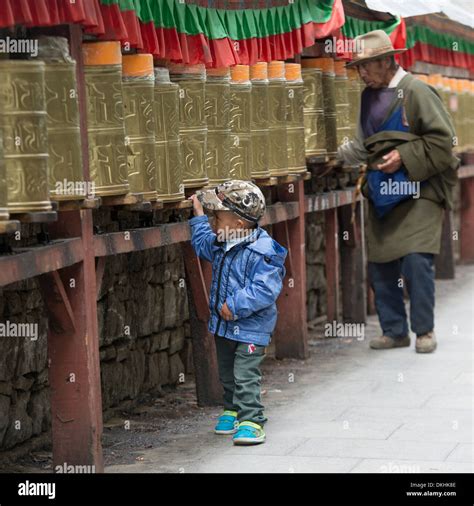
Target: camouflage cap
[241, 197]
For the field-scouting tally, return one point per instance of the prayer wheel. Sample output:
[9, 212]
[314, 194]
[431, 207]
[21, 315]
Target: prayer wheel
[66, 181]
[260, 137]
[354, 96]
[217, 107]
[240, 116]
[4, 214]
[453, 109]
[192, 122]
[295, 119]
[342, 103]
[329, 99]
[105, 123]
[314, 125]
[277, 108]
[25, 137]
[169, 176]
[138, 81]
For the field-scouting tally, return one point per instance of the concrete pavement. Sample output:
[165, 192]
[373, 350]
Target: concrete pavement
[352, 409]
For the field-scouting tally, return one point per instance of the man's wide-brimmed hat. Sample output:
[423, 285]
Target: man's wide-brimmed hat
[372, 45]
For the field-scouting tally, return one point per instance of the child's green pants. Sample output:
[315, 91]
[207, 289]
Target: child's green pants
[239, 372]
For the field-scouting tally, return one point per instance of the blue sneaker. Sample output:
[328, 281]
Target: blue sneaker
[227, 423]
[249, 433]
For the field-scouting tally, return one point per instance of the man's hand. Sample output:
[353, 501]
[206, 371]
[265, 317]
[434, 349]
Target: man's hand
[226, 313]
[392, 162]
[197, 206]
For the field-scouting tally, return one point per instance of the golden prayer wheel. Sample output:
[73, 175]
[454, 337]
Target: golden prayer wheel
[240, 116]
[25, 137]
[342, 103]
[105, 124]
[192, 122]
[260, 136]
[217, 107]
[314, 124]
[295, 119]
[138, 85]
[354, 95]
[66, 181]
[277, 109]
[4, 214]
[169, 180]
[329, 100]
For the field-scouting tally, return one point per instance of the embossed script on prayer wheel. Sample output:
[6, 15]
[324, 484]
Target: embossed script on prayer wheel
[217, 107]
[353, 94]
[295, 119]
[105, 125]
[25, 138]
[240, 112]
[138, 82]
[277, 109]
[4, 214]
[64, 139]
[342, 102]
[329, 101]
[192, 122]
[260, 138]
[314, 124]
[169, 182]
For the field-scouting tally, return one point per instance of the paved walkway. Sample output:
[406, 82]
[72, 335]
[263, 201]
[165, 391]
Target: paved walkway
[352, 409]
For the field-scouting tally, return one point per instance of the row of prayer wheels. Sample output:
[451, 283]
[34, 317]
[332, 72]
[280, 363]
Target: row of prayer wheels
[458, 98]
[331, 104]
[157, 131]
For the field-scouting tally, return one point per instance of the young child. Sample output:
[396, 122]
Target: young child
[247, 275]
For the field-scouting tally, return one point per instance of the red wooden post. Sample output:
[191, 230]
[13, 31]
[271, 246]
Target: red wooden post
[74, 367]
[331, 233]
[467, 220]
[208, 388]
[353, 265]
[291, 333]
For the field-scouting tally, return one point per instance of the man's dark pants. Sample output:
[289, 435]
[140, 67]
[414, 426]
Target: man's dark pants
[418, 272]
[239, 372]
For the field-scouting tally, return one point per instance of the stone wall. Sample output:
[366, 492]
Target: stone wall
[144, 339]
[315, 266]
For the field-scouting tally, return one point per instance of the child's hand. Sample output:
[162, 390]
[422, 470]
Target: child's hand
[226, 312]
[197, 206]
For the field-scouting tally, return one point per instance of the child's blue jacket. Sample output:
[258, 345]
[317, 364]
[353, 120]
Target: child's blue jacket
[249, 277]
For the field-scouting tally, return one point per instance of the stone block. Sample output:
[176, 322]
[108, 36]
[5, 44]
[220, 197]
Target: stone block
[176, 340]
[176, 368]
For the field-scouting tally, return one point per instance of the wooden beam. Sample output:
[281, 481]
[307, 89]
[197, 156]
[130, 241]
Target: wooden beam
[58, 306]
[30, 262]
[208, 387]
[291, 333]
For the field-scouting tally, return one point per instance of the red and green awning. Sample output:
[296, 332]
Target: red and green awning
[187, 32]
[427, 39]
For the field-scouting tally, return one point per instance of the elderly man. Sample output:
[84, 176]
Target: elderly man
[405, 136]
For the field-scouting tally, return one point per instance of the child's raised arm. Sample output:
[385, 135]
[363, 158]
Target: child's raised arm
[202, 237]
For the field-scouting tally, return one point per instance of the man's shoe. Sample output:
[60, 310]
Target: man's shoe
[249, 433]
[227, 423]
[426, 343]
[386, 342]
